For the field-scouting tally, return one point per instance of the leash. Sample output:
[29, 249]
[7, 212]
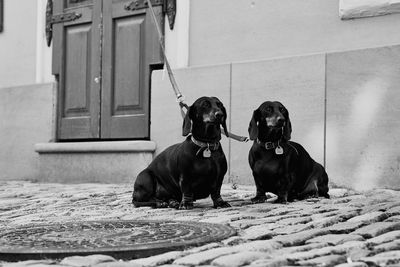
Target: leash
[179, 97]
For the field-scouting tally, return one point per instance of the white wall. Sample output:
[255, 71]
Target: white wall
[177, 39]
[26, 118]
[24, 57]
[239, 30]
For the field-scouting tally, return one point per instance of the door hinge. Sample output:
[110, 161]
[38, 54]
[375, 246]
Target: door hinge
[170, 10]
[59, 18]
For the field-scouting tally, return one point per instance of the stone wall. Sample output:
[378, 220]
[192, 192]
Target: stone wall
[353, 95]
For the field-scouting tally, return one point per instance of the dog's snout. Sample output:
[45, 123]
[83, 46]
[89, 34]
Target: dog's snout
[280, 121]
[219, 114]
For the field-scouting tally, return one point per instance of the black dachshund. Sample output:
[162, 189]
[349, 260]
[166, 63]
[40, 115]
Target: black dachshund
[193, 169]
[280, 166]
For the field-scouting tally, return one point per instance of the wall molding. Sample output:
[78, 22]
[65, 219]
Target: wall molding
[353, 9]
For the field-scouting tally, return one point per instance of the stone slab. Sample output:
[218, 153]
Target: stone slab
[108, 167]
[362, 117]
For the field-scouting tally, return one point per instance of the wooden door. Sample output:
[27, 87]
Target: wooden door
[102, 60]
[76, 64]
[130, 48]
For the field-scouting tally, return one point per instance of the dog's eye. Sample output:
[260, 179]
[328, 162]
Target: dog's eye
[269, 109]
[281, 109]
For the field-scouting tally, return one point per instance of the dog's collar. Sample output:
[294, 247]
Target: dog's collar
[275, 145]
[271, 145]
[268, 145]
[211, 146]
[206, 148]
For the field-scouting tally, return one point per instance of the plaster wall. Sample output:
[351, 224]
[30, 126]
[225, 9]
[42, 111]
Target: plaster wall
[224, 31]
[24, 56]
[26, 118]
[18, 43]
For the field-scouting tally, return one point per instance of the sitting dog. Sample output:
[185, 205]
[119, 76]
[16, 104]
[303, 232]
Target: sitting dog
[193, 169]
[280, 166]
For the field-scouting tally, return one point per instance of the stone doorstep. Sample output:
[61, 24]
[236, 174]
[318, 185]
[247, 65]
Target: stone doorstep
[100, 147]
[104, 162]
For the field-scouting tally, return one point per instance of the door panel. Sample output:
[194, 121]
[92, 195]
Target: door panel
[77, 78]
[126, 70]
[76, 63]
[126, 76]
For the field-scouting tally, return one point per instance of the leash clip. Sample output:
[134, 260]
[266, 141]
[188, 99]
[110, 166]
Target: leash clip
[180, 98]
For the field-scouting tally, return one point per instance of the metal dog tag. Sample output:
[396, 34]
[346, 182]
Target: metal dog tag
[279, 150]
[207, 153]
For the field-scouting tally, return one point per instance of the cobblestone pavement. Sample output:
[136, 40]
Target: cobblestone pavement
[350, 229]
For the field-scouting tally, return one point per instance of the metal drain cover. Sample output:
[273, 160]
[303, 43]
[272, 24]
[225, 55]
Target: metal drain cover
[120, 239]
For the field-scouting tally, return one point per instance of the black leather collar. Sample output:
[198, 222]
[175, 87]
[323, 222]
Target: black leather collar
[211, 146]
[268, 145]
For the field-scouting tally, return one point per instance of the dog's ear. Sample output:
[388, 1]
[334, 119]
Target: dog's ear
[187, 122]
[224, 121]
[287, 129]
[253, 126]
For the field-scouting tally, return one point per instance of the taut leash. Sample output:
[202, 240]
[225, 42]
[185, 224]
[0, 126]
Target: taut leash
[179, 97]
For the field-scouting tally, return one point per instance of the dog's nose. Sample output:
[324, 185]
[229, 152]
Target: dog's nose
[280, 121]
[219, 115]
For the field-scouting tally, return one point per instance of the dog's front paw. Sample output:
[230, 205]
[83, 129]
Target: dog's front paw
[282, 200]
[259, 199]
[161, 205]
[186, 205]
[172, 203]
[220, 203]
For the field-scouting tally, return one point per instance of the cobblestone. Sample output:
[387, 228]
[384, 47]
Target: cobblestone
[239, 259]
[82, 261]
[384, 258]
[333, 239]
[330, 260]
[351, 229]
[385, 238]
[353, 264]
[379, 228]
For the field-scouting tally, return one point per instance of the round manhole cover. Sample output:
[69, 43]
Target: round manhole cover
[120, 239]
